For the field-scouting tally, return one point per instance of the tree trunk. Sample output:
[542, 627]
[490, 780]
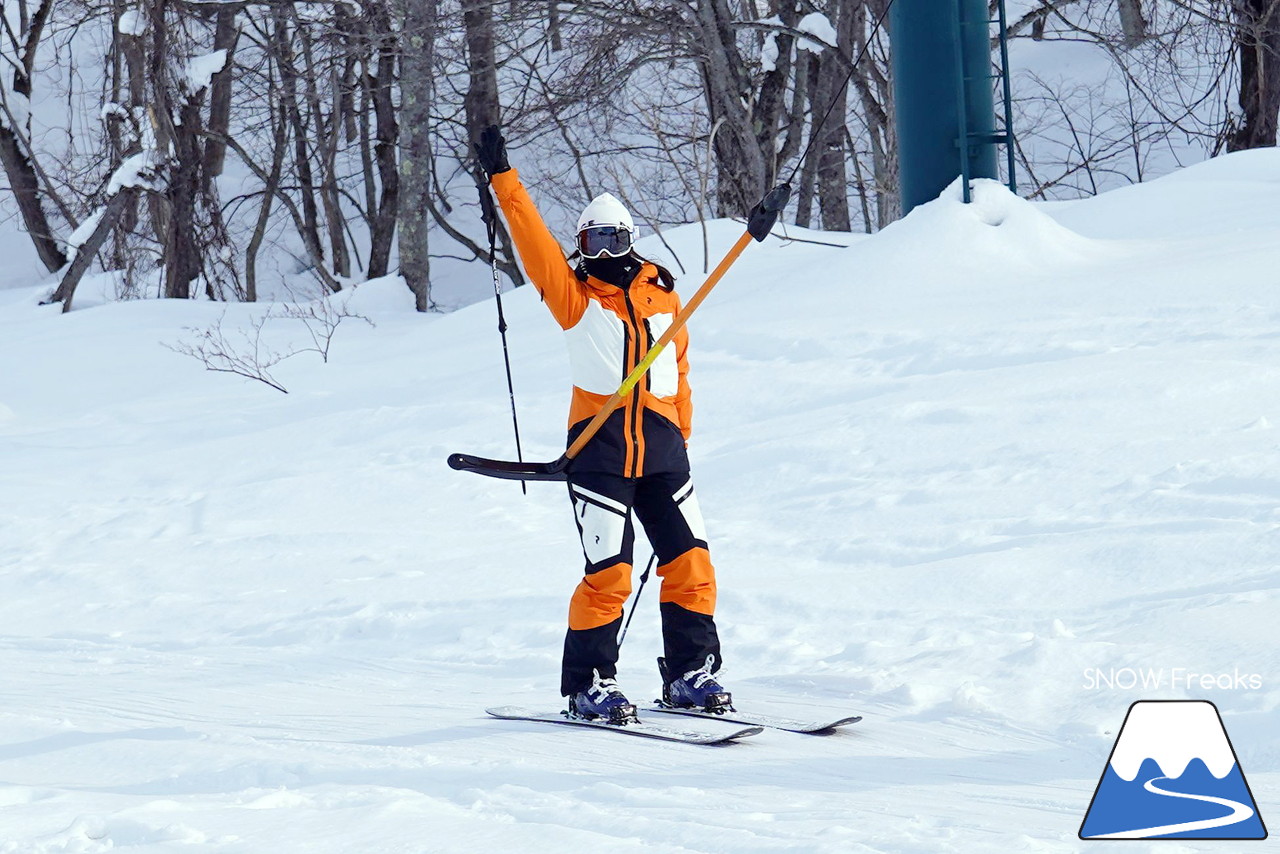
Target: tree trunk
[1257, 37]
[86, 251]
[481, 99]
[132, 50]
[771, 103]
[285, 59]
[481, 104]
[875, 95]
[808, 66]
[25, 185]
[182, 255]
[553, 26]
[1132, 22]
[383, 229]
[833, 181]
[226, 35]
[280, 134]
[741, 170]
[417, 96]
[15, 154]
[328, 133]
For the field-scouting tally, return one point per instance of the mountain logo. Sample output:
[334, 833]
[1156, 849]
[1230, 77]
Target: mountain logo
[1173, 774]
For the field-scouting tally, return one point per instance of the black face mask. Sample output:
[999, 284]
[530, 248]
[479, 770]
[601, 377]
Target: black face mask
[615, 271]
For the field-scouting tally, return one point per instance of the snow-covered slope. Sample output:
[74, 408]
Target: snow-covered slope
[953, 473]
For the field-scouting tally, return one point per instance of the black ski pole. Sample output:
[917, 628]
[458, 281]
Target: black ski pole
[636, 600]
[491, 224]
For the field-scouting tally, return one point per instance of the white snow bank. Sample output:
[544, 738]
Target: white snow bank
[1226, 194]
[387, 295]
[997, 231]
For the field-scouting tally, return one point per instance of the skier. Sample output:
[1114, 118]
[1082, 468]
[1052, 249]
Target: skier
[612, 305]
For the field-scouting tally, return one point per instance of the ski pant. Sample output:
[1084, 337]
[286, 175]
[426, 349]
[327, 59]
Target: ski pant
[667, 508]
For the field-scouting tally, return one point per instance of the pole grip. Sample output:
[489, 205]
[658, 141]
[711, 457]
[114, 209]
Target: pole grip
[762, 217]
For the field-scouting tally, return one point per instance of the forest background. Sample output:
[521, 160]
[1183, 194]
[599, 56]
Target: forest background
[242, 150]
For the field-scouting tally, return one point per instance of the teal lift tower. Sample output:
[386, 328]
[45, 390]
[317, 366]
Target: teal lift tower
[944, 81]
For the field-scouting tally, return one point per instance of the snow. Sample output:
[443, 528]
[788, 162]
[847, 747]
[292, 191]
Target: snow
[200, 70]
[113, 110]
[136, 171]
[85, 229]
[132, 23]
[769, 53]
[769, 45]
[946, 471]
[819, 31]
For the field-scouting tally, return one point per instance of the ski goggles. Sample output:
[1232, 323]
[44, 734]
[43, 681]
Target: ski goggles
[598, 240]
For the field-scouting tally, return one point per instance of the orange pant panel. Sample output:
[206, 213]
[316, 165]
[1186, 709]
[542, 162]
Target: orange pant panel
[690, 582]
[600, 596]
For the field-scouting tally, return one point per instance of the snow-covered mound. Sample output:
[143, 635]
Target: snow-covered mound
[952, 473]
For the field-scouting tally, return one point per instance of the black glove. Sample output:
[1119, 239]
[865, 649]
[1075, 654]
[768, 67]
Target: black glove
[491, 151]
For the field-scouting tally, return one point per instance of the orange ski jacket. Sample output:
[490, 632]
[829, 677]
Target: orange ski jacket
[609, 330]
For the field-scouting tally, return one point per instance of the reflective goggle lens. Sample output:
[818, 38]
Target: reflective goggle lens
[604, 240]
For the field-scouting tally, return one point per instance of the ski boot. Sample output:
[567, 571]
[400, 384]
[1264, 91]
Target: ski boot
[603, 700]
[697, 689]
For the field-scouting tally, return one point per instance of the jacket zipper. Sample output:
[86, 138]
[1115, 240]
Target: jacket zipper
[634, 424]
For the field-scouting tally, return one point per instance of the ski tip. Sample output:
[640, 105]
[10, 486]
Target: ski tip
[829, 728]
[507, 712]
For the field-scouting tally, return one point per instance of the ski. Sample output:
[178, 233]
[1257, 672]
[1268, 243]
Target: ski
[642, 728]
[816, 727]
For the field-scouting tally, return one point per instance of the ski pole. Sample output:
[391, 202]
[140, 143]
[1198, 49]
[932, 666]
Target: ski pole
[635, 603]
[491, 225]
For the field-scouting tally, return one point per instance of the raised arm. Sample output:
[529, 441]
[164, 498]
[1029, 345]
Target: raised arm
[539, 251]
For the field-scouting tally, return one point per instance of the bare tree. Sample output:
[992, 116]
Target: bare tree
[420, 19]
[248, 354]
[382, 84]
[1257, 37]
[1132, 21]
[18, 50]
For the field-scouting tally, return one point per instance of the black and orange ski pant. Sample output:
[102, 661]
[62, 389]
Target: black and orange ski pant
[667, 508]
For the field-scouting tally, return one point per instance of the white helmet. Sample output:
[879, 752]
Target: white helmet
[605, 209]
[605, 229]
